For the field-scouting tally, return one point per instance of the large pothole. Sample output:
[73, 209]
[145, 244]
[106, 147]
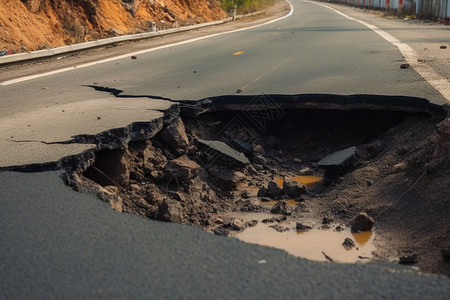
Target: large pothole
[222, 163]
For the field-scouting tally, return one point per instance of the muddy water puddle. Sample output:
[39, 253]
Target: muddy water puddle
[311, 244]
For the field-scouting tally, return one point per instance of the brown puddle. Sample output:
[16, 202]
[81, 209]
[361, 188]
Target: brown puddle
[309, 244]
[307, 180]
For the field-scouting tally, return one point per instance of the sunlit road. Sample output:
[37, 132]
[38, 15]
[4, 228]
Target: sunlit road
[56, 243]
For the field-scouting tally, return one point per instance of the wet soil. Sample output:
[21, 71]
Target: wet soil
[400, 174]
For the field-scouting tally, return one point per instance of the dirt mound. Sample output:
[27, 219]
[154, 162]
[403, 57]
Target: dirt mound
[27, 25]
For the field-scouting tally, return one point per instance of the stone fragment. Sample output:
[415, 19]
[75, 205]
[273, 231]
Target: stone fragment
[237, 224]
[262, 192]
[223, 153]
[227, 178]
[170, 210]
[363, 222]
[293, 188]
[443, 129]
[274, 190]
[348, 243]
[174, 136]
[303, 227]
[297, 161]
[181, 169]
[306, 171]
[404, 66]
[221, 231]
[279, 208]
[408, 259]
[259, 149]
[400, 167]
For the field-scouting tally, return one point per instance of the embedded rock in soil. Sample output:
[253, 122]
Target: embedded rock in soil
[221, 231]
[443, 129]
[374, 148]
[262, 192]
[348, 243]
[400, 167]
[274, 190]
[293, 188]
[279, 208]
[408, 259]
[222, 153]
[363, 222]
[174, 136]
[237, 224]
[446, 253]
[300, 226]
[170, 210]
[181, 169]
[229, 179]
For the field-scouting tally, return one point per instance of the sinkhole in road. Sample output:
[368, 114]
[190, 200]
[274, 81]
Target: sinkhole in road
[221, 164]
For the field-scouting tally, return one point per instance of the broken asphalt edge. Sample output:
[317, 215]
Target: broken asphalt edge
[21, 57]
[138, 131]
[313, 101]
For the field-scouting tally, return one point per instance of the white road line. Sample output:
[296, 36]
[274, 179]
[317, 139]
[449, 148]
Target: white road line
[440, 83]
[26, 78]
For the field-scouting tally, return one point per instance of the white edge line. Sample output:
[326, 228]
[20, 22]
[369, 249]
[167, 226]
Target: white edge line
[427, 72]
[31, 77]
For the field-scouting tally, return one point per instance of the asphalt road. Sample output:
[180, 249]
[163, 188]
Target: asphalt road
[56, 243]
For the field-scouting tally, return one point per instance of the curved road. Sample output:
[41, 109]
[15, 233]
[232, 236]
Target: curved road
[56, 243]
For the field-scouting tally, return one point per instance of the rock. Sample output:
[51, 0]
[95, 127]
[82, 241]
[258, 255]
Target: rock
[293, 188]
[327, 220]
[221, 231]
[174, 136]
[404, 66]
[339, 228]
[265, 199]
[297, 161]
[181, 169]
[279, 208]
[262, 192]
[446, 253]
[306, 171]
[227, 178]
[443, 129]
[218, 221]
[374, 148]
[348, 243]
[251, 223]
[274, 190]
[221, 152]
[279, 228]
[300, 226]
[443, 47]
[237, 224]
[400, 167]
[259, 160]
[170, 210]
[259, 149]
[363, 222]
[408, 259]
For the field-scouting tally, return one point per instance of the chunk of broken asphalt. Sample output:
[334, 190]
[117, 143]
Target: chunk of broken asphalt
[337, 158]
[223, 153]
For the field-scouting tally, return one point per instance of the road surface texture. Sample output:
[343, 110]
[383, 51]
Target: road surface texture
[56, 243]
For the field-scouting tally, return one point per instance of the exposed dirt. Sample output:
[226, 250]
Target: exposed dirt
[27, 25]
[399, 175]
